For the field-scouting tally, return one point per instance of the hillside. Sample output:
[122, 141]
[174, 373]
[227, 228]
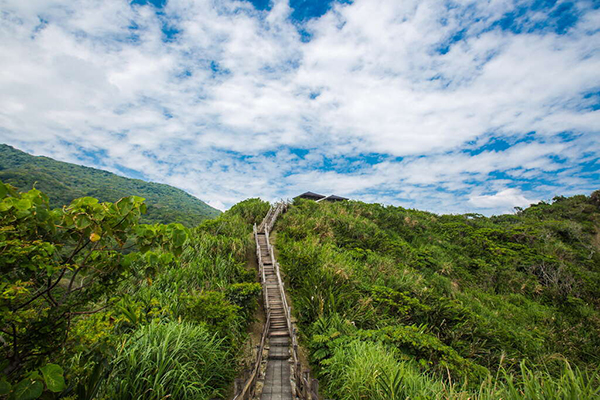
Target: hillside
[63, 182]
[390, 303]
[397, 303]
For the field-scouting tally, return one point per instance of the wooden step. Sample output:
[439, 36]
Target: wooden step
[279, 353]
[279, 342]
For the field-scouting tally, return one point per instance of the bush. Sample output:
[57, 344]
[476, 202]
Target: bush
[366, 370]
[175, 360]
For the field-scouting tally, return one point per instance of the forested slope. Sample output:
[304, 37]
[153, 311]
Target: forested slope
[63, 182]
[396, 303]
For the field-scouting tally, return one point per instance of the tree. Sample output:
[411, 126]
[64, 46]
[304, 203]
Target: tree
[55, 265]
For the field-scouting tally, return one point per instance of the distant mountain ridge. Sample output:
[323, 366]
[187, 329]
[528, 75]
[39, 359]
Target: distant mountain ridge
[63, 182]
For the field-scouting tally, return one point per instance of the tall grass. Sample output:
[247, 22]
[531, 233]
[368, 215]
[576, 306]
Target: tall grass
[369, 370]
[532, 384]
[366, 370]
[172, 360]
[429, 295]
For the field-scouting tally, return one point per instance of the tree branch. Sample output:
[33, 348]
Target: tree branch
[89, 312]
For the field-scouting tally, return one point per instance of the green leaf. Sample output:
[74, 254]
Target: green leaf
[82, 221]
[28, 389]
[23, 204]
[4, 387]
[124, 205]
[179, 238]
[138, 199]
[88, 201]
[151, 258]
[3, 190]
[53, 376]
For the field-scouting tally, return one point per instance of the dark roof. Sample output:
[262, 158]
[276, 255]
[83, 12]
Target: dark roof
[333, 197]
[311, 195]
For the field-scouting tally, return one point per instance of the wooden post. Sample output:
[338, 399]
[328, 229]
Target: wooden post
[305, 387]
[314, 395]
[299, 373]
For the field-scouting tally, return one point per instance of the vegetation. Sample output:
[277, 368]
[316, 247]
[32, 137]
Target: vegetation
[64, 182]
[391, 303]
[94, 305]
[396, 303]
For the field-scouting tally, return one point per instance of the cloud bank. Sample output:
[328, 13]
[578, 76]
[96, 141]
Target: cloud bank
[450, 106]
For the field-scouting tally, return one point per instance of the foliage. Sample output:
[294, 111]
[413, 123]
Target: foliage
[178, 360]
[54, 263]
[85, 287]
[64, 182]
[34, 384]
[366, 370]
[464, 299]
[244, 296]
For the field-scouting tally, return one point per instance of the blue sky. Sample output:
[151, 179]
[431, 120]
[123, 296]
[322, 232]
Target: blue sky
[448, 106]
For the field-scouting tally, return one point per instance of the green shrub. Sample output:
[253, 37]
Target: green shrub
[455, 296]
[174, 360]
[368, 370]
[244, 296]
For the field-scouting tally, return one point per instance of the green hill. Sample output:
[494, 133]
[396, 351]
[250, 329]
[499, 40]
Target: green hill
[397, 303]
[63, 182]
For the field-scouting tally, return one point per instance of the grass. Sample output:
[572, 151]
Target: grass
[175, 360]
[177, 325]
[450, 306]
[364, 370]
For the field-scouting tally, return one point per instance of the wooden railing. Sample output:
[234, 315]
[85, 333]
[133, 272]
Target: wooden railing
[261, 270]
[247, 391]
[306, 388]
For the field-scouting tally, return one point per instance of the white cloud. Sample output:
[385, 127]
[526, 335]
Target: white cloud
[220, 109]
[504, 200]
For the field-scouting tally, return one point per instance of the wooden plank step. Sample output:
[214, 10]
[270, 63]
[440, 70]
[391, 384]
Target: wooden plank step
[279, 353]
[278, 327]
[279, 341]
[279, 334]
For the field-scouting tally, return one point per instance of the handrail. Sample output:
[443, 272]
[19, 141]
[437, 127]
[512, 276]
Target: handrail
[248, 390]
[306, 388]
[280, 284]
[286, 307]
[261, 270]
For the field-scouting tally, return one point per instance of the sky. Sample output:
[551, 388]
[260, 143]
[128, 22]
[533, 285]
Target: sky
[447, 106]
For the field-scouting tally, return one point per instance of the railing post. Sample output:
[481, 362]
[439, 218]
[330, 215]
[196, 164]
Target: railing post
[314, 389]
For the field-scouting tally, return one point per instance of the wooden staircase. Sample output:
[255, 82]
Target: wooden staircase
[279, 337]
[277, 383]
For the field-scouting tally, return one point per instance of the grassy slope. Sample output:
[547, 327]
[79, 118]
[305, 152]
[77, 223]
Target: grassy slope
[179, 326]
[384, 294]
[64, 182]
